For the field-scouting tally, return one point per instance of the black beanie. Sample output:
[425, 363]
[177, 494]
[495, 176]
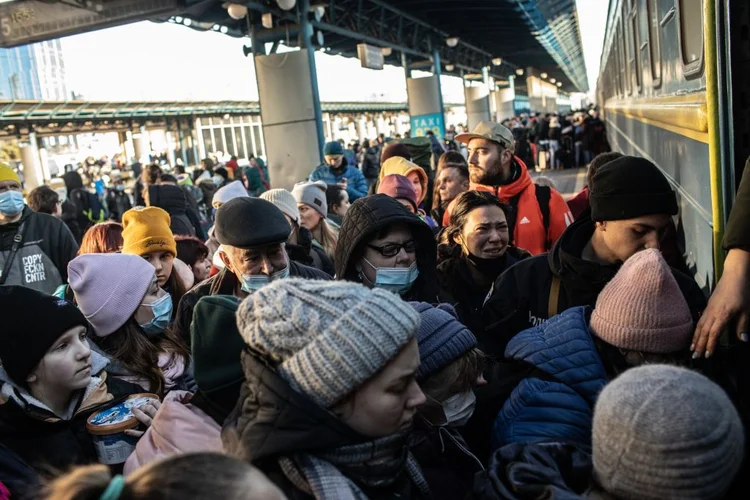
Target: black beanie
[32, 321]
[246, 222]
[630, 187]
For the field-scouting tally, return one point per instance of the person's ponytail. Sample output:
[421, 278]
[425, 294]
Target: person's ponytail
[89, 482]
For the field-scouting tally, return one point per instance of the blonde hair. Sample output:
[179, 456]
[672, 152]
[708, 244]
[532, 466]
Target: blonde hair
[329, 236]
[197, 475]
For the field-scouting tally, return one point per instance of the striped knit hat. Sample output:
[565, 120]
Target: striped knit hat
[327, 337]
[661, 431]
[642, 308]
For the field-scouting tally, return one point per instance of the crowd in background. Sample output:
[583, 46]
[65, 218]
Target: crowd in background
[416, 319]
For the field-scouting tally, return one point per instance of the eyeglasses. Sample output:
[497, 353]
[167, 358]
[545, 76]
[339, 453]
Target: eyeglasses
[392, 249]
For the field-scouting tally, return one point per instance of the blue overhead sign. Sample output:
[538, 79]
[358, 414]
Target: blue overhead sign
[422, 123]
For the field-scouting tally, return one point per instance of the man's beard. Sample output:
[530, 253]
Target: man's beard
[493, 175]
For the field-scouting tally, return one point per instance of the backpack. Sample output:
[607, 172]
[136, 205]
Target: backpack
[543, 197]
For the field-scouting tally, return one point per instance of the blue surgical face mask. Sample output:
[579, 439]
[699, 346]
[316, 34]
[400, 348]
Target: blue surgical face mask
[162, 315]
[253, 282]
[218, 179]
[11, 203]
[120, 187]
[395, 279]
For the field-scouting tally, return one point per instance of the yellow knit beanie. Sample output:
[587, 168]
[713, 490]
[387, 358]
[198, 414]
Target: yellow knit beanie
[8, 174]
[146, 230]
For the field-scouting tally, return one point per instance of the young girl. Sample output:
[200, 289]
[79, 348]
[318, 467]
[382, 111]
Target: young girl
[313, 210]
[52, 380]
[146, 233]
[199, 476]
[130, 314]
[329, 390]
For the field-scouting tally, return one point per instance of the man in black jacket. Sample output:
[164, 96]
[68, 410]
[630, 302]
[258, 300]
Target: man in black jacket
[253, 235]
[631, 206]
[44, 244]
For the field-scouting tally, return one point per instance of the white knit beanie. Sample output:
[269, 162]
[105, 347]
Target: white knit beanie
[328, 337]
[284, 201]
[229, 192]
[312, 194]
[660, 431]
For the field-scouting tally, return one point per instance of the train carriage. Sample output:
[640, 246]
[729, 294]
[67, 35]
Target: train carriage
[674, 87]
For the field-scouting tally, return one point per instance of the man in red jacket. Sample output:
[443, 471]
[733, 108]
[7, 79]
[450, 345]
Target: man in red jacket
[541, 212]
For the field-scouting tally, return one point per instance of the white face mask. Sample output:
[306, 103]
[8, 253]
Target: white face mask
[459, 408]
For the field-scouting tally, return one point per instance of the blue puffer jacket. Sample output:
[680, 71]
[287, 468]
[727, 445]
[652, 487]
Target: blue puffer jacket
[356, 185]
[559, 404]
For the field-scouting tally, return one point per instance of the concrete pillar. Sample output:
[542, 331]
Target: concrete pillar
[477, 105]
[382, 126]
[141, 145]
[362, 128]
[32, 166]
[425, 106]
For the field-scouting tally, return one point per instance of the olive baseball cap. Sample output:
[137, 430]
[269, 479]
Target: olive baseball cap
[491, 131]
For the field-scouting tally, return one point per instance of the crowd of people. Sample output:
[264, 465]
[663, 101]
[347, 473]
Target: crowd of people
[410, 321]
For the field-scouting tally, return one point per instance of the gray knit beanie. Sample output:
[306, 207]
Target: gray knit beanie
[284, 201]
[665, 432]
[328, 337]
[312, 194]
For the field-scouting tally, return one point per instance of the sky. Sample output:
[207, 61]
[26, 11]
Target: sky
[150, 61]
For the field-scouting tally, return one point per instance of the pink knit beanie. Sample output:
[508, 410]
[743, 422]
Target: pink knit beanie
[642, 308]
[399, 187]
[109, 288]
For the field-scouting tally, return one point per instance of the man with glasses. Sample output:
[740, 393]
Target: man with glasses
[541, 212]
[35, 248]
[253, 234]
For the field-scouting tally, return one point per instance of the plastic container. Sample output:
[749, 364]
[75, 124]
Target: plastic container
[107, 428]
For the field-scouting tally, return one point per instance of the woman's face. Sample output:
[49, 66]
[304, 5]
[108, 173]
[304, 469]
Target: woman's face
[65, 367]
[309, 218]
[201, 269]
[145, 312]
[416, 181]
[485, 233]
[342, 207]
[400, 234]
[386, 403]
[162, 262]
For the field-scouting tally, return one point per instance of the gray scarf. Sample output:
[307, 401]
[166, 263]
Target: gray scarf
[377, 464]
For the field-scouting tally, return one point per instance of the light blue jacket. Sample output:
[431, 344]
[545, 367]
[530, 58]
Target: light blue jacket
[356, 185]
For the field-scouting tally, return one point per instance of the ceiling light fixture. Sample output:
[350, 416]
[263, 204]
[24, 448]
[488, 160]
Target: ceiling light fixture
[237, 11]
[451, 41]
[497, 61]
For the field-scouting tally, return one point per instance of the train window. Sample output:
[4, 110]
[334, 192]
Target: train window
[635, 63]
[654, 42]
[691, 35]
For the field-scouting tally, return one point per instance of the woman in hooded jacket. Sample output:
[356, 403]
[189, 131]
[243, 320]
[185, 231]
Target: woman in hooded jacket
[330, 391]
[473, 251]
[130, 313]
[383, 245]
[172, 200]
[52, 381]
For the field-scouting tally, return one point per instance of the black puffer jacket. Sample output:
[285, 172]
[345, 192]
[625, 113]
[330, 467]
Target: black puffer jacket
[520, 296]
[271, 420]
[304, 252]
[364, 219]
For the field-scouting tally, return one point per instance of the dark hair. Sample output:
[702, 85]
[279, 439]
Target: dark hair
[599, 161]
[104, 237]
[466, 203]
[209, 476]
[222, 172]
[190, 249]
[175, 287]
[43, 199]
[454, 159]
[459, 376]
[334, 196]
[151, 174]
[180, 169]
[208, 164]
[168, 178]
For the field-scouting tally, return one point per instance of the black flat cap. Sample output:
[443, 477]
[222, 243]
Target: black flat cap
[250, 222]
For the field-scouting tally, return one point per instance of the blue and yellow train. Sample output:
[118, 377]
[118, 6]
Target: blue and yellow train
[674, 87]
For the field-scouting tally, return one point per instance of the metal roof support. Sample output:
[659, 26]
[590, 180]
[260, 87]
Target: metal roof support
[307, 43]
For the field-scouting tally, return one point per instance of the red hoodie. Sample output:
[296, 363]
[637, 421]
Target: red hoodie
[529, 233]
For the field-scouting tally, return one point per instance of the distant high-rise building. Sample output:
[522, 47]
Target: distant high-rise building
[35, 71]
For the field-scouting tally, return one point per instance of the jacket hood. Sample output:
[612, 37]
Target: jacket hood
[273, 420]
[366, 217]
[170, 198]
[566, 263]
[72, 181]
[11, 391]
[508, 191]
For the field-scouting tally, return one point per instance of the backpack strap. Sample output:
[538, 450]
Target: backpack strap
[553, 304]
[543, 197]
